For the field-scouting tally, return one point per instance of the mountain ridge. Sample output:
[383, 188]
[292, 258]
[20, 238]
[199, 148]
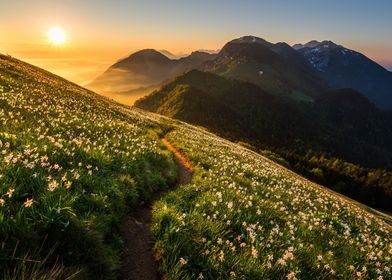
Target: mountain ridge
[299, 72]
[341, 67]
[276, 68]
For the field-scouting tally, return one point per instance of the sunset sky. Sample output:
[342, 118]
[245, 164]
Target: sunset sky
[97, 32]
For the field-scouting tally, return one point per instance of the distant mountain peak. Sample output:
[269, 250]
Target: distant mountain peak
[250, 39]
[148, 53]
[316, 44]
[255, 60]
[341, 67]
[142, 56]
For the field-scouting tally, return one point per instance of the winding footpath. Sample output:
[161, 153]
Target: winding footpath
[138, 259]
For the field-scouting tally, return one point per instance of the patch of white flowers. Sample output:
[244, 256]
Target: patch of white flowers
[250, 214]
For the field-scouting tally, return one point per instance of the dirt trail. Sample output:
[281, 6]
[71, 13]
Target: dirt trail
[184, 165]
[138, 259]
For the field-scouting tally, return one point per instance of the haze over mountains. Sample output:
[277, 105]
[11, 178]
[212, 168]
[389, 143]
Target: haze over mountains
[142, 72]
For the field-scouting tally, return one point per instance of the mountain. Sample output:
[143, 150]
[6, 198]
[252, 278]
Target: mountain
[299, 73]
[142, 72]
[344, 68]
[76, 166]
[276, 68]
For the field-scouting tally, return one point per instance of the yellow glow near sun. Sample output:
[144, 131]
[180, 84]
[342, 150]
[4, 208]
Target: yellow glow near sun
[56, 35]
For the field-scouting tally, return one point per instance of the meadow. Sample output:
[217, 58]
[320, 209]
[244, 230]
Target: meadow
[73, 164]
[245, 217]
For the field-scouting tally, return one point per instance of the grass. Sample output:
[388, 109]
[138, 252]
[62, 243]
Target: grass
[244, 217]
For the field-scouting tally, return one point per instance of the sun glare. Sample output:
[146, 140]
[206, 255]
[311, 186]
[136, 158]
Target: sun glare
[56, 35]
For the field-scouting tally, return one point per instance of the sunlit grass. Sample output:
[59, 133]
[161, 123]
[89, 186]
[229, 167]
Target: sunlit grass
[244, 217]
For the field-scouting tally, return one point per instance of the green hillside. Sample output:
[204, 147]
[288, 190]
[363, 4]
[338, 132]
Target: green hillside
[240, 109]
[73, 164]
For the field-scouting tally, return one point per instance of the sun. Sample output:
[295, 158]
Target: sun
[56, 35]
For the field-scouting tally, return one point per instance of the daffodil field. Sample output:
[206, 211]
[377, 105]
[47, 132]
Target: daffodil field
[71, 165]
[244, 217]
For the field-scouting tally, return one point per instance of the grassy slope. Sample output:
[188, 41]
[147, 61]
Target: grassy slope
[81, 160]
[244, 217]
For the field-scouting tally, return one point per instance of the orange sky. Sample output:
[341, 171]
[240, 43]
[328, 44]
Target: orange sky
[99, 32]
[82, 64]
